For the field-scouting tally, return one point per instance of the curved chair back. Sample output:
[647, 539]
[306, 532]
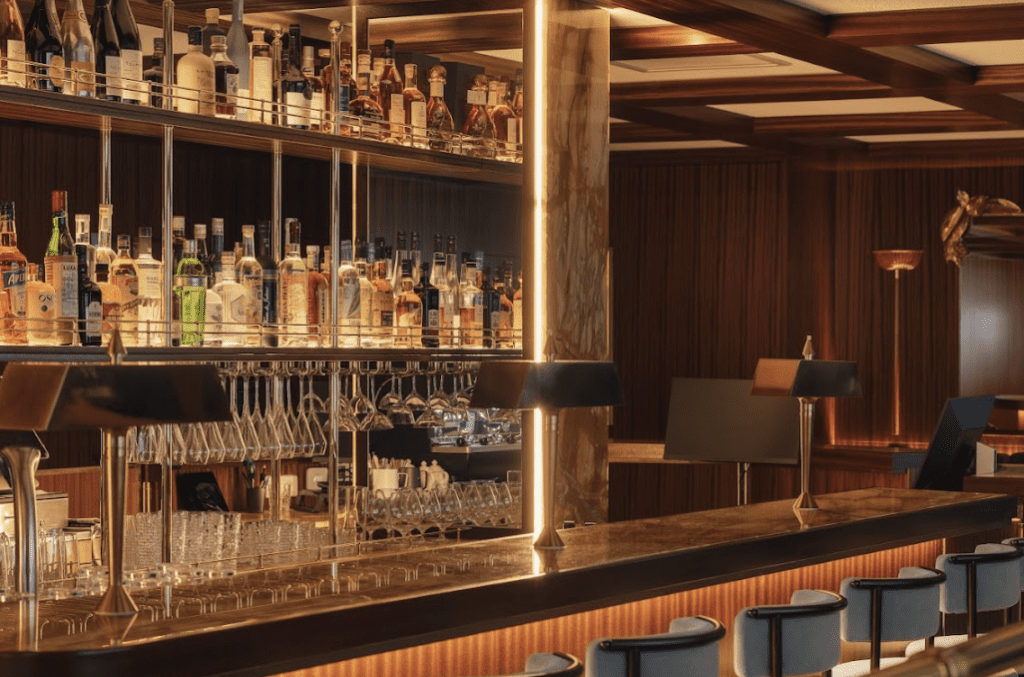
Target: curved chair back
[891, 609]
[987, 579]
[689, 648]
[555, 664]
[789, 639]
[1019, 544]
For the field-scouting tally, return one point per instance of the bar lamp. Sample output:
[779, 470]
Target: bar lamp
[807, 380]
[113, 398]
[549, 386]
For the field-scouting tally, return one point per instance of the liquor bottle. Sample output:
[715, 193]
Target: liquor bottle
[261, 79]
[188, 317]
[213, 264]
[364, 106]
[269, 286]
[294, 289]
[42, 44]
[238, 44]
[83, 223]
[151, 292]
[154, 75]
[177, 239]
[40, 309]
[297, 92]
[505, 335]
[415, 255]
[471, 305]
[195, 77]
[104, 254]
[318, 295]
[366, 289]
[111, 297]
[517, 315]
[202, 253]
[478, 123]
[12, 45]
[440, 126]
[390, 94]
[415, 108]
[395, 268]
[517, 97]
[446, 301]
[346, 84]
[324, 79]
[130, 43]
[214, 316]
[316, 89]
[349, 298]
[451, 271]
[225, 79]
[249, 274]
[79, 52]
[90, 301]
[237, 320]
[125, 276]
[408, 311]
[13, 276]
[492, 310]
[382, 304]
[376, 70]
[430, 300]
[506, 124]
[211, 29]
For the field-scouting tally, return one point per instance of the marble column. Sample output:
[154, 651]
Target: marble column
[566, 213]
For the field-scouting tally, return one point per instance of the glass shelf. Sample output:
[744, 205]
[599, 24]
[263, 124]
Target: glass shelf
[256, 354]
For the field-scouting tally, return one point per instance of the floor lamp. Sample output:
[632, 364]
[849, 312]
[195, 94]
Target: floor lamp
[896, 260]
[807, 380]
[548, 386]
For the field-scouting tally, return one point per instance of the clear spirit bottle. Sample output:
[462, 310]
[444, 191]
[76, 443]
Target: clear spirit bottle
[269, 287]
[104, 254]
[318, 314]
[350, 296]
[83, 223]
[440, 126]
[294, 290]
[41, 309]
[446, 298]
[237, 319]
[382, 304]
[125, 276]
[195, 77]
[362, 266]
[471, 305]
[408, 311]
[111, 296]
[151, 329]
[451, 270]
[189, 304]
[13, 277]
[415, 108]
[395, 268]
[261, 79]
[249, 274]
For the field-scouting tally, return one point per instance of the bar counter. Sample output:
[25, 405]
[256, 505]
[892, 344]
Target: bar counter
[342, 610]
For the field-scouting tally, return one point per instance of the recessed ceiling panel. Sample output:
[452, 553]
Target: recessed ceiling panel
[949, 136]
[627, 18]
[992, 53]
[858, 6]
[767, 64]
[909, 104]
[674, 145]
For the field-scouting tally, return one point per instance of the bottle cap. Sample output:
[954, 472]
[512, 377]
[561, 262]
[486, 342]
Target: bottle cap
[213, 16]
[200, 231]
[307, 52]
[257, 35]
[218, 41]
[195, 35]
[124, 241]
[248, 230]
[217, 226]
[389, 49]
[158, 45]
[178, 224]
[190, 247]
[59, 199]
[227, 260]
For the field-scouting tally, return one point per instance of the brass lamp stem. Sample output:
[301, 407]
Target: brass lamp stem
[116, 601]
[806, 501]
[896, 361]
[549, 538]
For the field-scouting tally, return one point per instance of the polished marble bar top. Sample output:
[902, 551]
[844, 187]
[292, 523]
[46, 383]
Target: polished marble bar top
[392, 600]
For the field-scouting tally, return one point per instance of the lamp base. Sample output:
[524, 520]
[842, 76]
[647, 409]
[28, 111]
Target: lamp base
[549, 540]
[116, 602]
[805, 502]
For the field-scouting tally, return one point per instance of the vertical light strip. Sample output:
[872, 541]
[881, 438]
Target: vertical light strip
[537, 104]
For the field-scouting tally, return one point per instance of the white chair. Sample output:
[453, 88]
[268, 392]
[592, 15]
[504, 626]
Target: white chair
[890, 610]
[555, 664]
[789, 639]
[690, 647]
[1019, 544]
[988, 579]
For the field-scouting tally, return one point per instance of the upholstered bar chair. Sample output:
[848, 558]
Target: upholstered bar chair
[690, 648]
[789, 639]
[880, 610]
[554, 664]
[1019, 544]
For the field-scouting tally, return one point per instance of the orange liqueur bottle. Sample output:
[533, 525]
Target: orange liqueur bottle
[13, 270]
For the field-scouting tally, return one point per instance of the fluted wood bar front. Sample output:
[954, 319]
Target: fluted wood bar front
[506, 586]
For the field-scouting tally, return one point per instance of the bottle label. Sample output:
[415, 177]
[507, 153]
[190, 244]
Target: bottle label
[235, 302]
[113, 76]
[41, 310]
[476, 97]
[82, 78]
[343, 98]
[350, 300]
[434, 319]
[387, 318]
[396, 112]
[131, 73]
[262, 88]
[94, 320]
[191, 302]
[316, 108]
[196, 94]
[14, 285]
[418, 116]
[297, 113]
[253, 291]
[65, 284]
[295, 300]
[269, 299]
[513, 130]
[242, 105]
[231, 85]
[437, 89]
[127, 284]
[56, 71]
[15, 68]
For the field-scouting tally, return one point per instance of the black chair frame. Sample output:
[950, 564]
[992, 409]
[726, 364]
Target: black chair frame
[972, 560]
[878, 586]
[776, 614]
[635, 647]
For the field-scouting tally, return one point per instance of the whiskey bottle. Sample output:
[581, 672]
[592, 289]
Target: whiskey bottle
[42, 44]
[478, 123]
[79, 53]
[395, 267]
[125, 276]
[316, 89]
[517, 315]
[154, 75]
[111, 297]
[294, 290]
[269, 286]
[41, 309]
[297, 92]
[130, 44]
[249, 274]
[382, 305]
[471, 305]
[261, 79]
[364, 106]
[211, 29]
[492, 310]
[90, 301]
[13, 276]
[506, 124]
[408, 311]
[12, 45]
[366, 290]
[225, 78]
[505, 335]
[195, 77]
[151, 292]
[391, 95]
[440, 126]
[237, 320]
[189, 304]
[318, 313]
[104, 254]
[415, 108]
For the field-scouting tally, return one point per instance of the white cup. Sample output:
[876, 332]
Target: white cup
[384, 480]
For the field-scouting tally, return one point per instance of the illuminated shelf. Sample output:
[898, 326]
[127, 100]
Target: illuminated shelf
[256, 354]
[71, 111]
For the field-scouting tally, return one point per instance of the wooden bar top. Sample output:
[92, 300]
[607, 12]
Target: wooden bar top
[333, 611]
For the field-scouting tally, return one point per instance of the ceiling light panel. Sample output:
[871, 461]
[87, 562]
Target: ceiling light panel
[858, 6]
[766, 64]
[992, 53]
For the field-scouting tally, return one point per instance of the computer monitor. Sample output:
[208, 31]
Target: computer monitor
[951, 452]
[717, 419]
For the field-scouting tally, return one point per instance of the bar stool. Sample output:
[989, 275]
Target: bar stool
[789, 639]
[690, 647]
[987, 579]
[889, 609]
[1019, 544]
[554, 664]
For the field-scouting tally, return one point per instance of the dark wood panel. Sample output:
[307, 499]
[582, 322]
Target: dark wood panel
[748, 90]
[663, 42]
[992, 322]
[929, 26]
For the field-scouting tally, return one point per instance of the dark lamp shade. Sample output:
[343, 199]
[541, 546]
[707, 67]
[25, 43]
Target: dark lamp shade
[75, 397]
[806, 378]
[521, 384]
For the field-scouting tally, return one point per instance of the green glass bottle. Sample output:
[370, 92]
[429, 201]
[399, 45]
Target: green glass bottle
[189, 299]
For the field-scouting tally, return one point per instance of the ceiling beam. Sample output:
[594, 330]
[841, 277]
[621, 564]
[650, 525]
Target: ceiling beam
[662, 42]
[929, 26]
[430, 35]
[818, 87]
